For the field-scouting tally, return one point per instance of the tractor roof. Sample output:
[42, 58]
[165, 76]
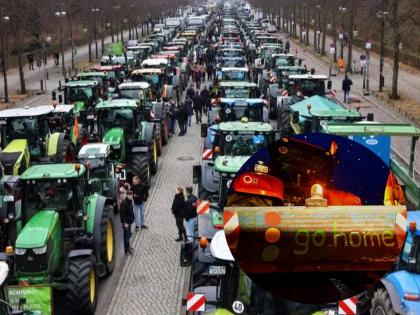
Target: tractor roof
[232, 126]
[26, 111]
[117, 103]
[239, 84]
[91, 74]
[322, 107]
[60, 108]
[81, 83]
[134, 86]
[147, 71]
[100, 68]
[371, 128]
[47, 171]
[235, 69]
[94, 150]
[243, 101]
[308, 76]
[155, 61]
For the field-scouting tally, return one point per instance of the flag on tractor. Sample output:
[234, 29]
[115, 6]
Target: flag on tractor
[394, 194]
[75, 134]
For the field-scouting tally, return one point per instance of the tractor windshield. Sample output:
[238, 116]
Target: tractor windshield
[233, 76]
[238, 92]
[308, 87]
[410, 251]
[79, 93]
[284, 61]
[233, 113]
[111, 118]
[22, 128]
[47, 195]
[132, 94]
[242, 144]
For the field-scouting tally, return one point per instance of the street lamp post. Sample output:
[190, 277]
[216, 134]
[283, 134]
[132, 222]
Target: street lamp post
[341, 35]
[95, 35]
[5, 20]
[318, 6]
[61, 14]
[381, 15]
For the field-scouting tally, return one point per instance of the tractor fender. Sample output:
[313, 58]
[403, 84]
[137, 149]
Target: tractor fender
[393, 295]
[148, 132]
[55, 141]
[100, 205]
[209, 181]
[79, 253]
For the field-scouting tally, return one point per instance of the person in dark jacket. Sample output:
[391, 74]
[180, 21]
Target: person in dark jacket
[182, 117]
[347, 83]
[190, 213]
[190, 92]
[172, 117]
[197, 77]
[127, 219]
[205, 99]
[178, 210]
[141, 194]
[190, 109]
[198, 107]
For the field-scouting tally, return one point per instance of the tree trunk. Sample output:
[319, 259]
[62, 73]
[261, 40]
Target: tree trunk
[21, 74]
[350, 43]
[324, 30]
[395, 69]
[306, 27]
[334, 34]
[314, 29]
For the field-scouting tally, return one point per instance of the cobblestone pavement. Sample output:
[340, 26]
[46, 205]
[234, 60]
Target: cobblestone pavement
[152, 281]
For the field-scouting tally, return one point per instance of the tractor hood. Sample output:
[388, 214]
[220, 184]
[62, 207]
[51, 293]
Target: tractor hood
[113, 136]
[12, 155]
[229, 164]
[36, 232]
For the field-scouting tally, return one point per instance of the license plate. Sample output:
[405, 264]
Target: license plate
[217, 270]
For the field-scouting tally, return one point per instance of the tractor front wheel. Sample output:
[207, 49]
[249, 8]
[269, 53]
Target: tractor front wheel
[108, 239]
[381, 303]
[82, 285]
[141, 167]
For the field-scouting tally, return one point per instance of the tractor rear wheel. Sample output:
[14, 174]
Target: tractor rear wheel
[141, 167]
[108, 239]
[165, 131]
[82, 285]
[66, 153]
[381, 303]
[159, 143]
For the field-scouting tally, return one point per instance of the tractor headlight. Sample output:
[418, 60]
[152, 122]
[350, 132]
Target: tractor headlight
[20, 251]
[40, 250]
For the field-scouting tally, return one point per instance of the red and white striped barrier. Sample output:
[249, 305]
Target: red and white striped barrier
[196, 302]
[207, 154]
[285, 93]
[348, 306]
[232, 229]
[203, 207]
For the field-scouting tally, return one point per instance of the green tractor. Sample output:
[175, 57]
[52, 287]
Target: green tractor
[133, 142]
[26, 139]
[64, 234]
[234, 142]
[155, 112]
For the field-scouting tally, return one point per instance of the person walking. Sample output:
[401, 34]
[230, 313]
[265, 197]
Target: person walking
[347, 83]
[197, 77]
[190, 92]
[127, 219]
[140, 196]
[203, 72]
[205, 99]
[287, 47]
[198, 107]
[30, 57]
[190, 110]
[190, 213]
[56, 56]
[210, 70]
[178, 210]
[181, 117]
[172, 118]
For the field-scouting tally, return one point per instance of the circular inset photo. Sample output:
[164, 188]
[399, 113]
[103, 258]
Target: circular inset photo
[315, 218]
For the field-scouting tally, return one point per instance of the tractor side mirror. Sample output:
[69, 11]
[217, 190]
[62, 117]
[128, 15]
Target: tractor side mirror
[54, 95]
[122, 175]
[186, 254]
[204, 130]
[196, 174]
[295, 117]
[369, 117]
[329, 84]
[60, 98]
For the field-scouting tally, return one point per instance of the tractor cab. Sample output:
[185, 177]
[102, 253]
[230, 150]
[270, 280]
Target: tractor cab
[114, 73]
[253, 109]
[238, 89]
[23, 135]
[232, 62]
[282, 60]
[230, 52]
[96, 158]
[233, 74]
[157, 78]
[100, 77]
[307, 85]
[282, 73]
[267, 51]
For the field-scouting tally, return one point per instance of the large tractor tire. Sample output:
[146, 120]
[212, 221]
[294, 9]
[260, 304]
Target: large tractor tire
[381, 303]
[159, 141]
[141, 167]
[165, 131]
[65, 151]
[82, 286]
[108, 240]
